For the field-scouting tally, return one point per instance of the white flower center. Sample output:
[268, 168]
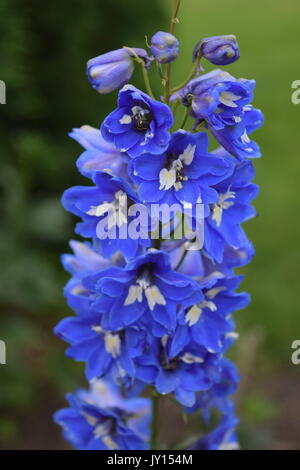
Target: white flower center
[112, 344]
[221, 205]
[152, 294]
[110, 443]
[102, 431]
[126, 119]
[245, 138]
[212, 293]
[117, 210]
[173, 177]
[228, 99]
[189, 358]
[112, 341]
[193, 315]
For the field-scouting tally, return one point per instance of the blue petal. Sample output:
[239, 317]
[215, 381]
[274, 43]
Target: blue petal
[166, 382]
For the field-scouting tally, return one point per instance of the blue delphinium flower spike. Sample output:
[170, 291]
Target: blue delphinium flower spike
[151, 312]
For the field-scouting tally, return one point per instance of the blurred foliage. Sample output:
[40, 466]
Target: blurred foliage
[43, 51]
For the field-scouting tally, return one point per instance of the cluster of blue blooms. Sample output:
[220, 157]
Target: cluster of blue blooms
[157, 314]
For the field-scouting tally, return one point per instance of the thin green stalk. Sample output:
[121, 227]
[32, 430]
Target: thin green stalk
[175, 107]
[200, 126]
[146, 80]
[173, 22]
[185, 117]
[190, 77]
[144, 71]
[161, 73]
[181, 259]
[156, 243]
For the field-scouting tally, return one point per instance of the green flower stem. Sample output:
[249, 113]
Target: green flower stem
[181, 260]
[190, 77]
[174, 21]
[156, 243]
[200, 126]
[175, 107]
[185, 117]
[144, 71]
[146, 80]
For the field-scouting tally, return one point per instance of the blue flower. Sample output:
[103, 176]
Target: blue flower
[236, 138]
[145, 290]
[104, 212]
[185, 374]
[99, 154]
[110, 71]
[184, 173]
[219, 50]
[236, 257]
[209, 323]
[139, 124]
[218, 397]
[83, 262]
[223, 103]
[232, 208]
[223, 437]
[215, 93]
[198, 264]
[100, 419]
[105, 352]
[164, 47]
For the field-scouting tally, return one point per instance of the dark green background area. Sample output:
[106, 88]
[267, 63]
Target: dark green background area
[43, 51]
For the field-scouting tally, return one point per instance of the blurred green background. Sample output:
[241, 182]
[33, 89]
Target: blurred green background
[42, 54]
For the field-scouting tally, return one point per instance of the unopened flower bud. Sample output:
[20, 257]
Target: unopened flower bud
[110, 71]
[164, 47]
[219, 50]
